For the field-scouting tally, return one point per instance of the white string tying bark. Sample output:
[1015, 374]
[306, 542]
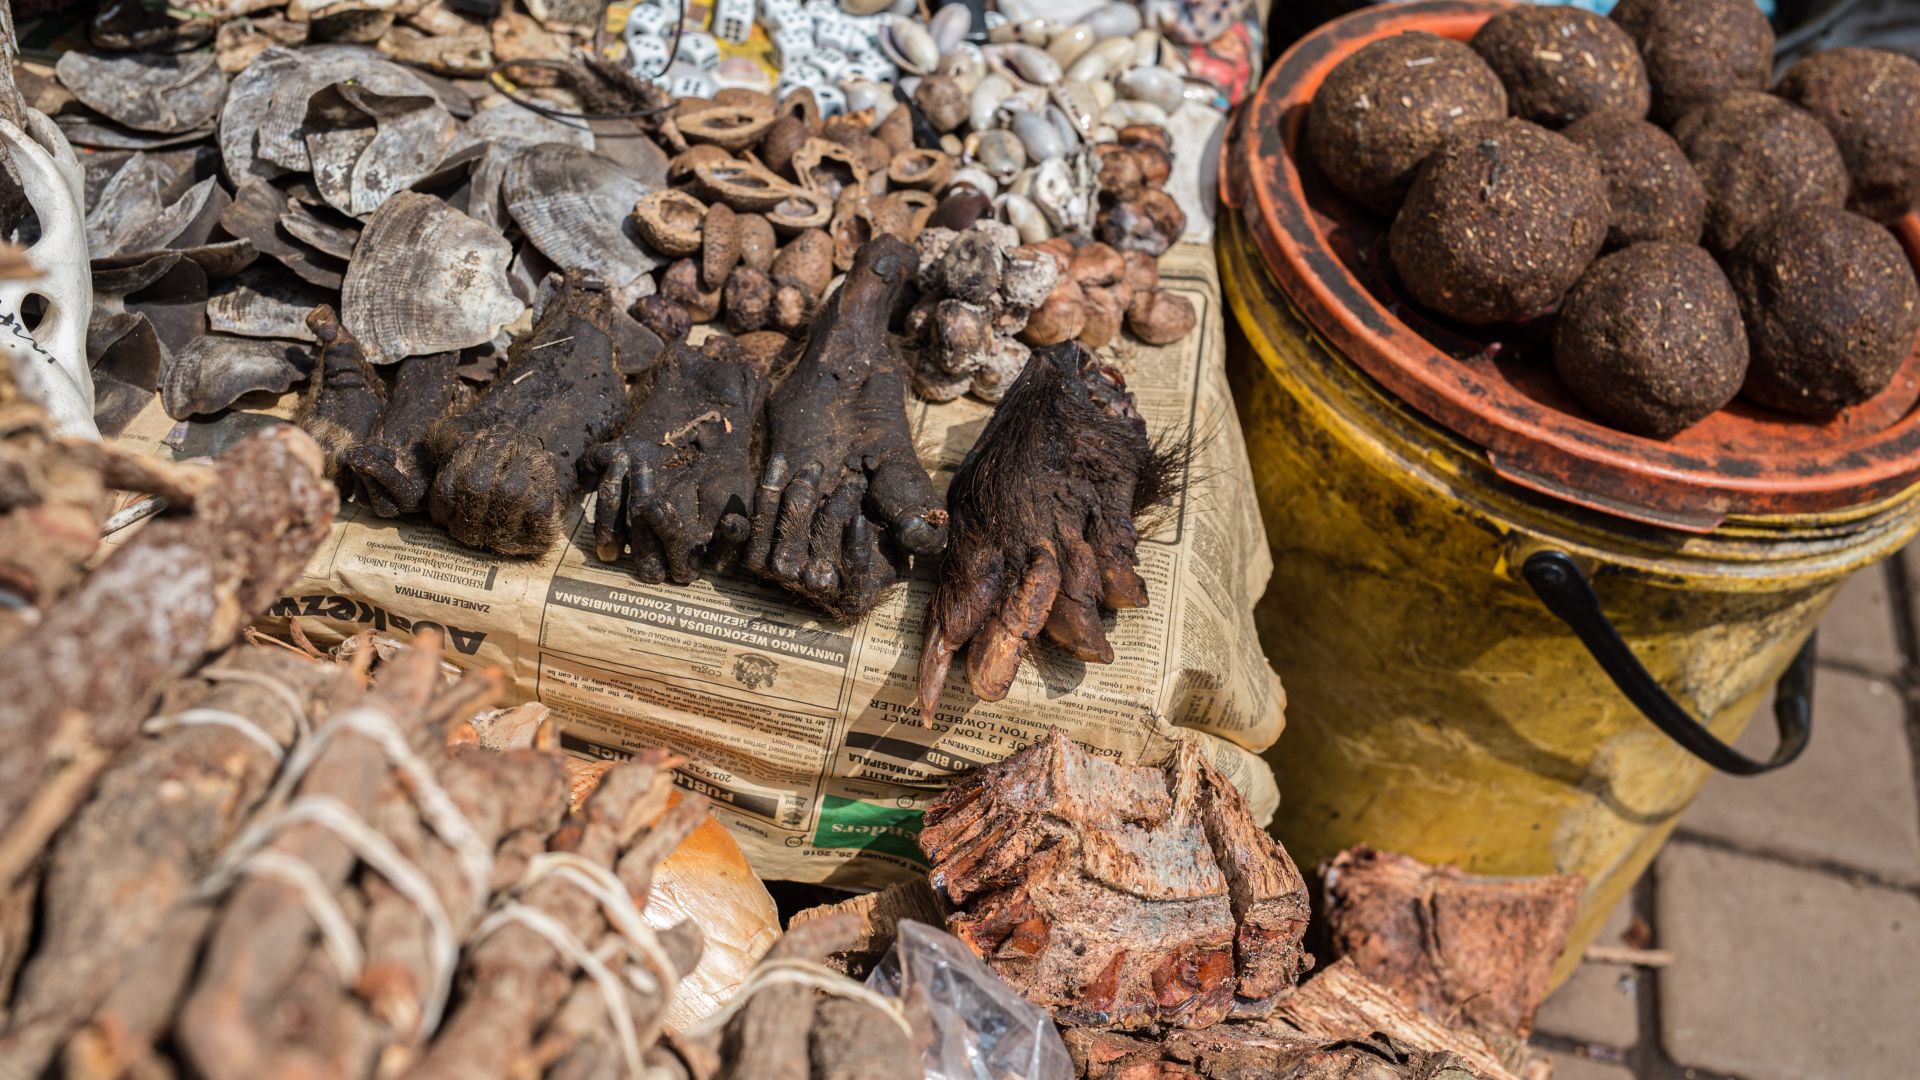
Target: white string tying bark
[336, 933]
[205, 717]
[806, 973]
[621, 913]
[612, 991]
[288, 697]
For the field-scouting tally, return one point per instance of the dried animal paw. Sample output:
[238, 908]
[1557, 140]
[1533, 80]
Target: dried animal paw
[679, 477]
[506, 467]
[843, 497]
[1043, 514]
[392, 469]
[346, 395]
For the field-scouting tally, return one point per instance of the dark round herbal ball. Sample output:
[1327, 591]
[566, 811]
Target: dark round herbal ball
[1698, 50]
[1650, 338]
[1869, 99]
[1831, 308]
[1652, 190]
[1382, 110]
[1562, 63]
[1759, 156]
[1501, 220]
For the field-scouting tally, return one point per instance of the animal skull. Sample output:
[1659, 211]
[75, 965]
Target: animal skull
[50, 361]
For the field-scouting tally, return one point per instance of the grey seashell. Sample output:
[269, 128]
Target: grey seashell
[1068, 42]
[1080, 104]
[1124, 112]
[1023, 184]
[255, 217]
[248, 99]
[1113, 20]
[330, 237]
[867, 94]
[1153, 84]
[1020, 10]
[865, 7]
[1199, 92]
[984, 102]
[1031, 64]
[907, 43]
[515, 126]
[1067, 204]
[1002, 153]
[214, 370]
[964, 64]
[166, 95]
[1038, 135]
[427, 278]
[1146, 47]
[1103, 92]
[281, 140]
[1023, 215]
[265, 302]
[949, 26]
[1034, 32]
[1063, 126]
[575, 207]
[412, 135]
[1111, 55]
[975, 178]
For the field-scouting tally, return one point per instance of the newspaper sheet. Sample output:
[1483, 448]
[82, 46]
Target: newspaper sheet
[803, 732]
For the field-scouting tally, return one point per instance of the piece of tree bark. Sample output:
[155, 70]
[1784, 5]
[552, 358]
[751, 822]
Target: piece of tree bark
[1343, 1003]
[182, 587]
[1118, 896]
[1253, 1052]
[878, 915]
[1461, 948]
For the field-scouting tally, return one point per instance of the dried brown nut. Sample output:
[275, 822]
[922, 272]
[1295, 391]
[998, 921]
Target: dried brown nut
[1143, 271]
[896, 131]
[799, 211]
[757, 242]
[742, 185]
[926, 170]
[749, 299]
[1153, 224]
[670, 221]
[680, 169]
[781, 140]
[719, 247]
[828, 167]
[667, 318]
[1105, 311]
[849, 129]
[764, 347]
[961, 207]
[1121, 178]
[920, 206]
[803, 104]
[1156, 165]
[1097, 264]
[807, 260]
[894, 217]
[792, 308]
[852, 227]
[732, 127]
[942, 101]
[1061, 318]
[681, 284]
[1146, 135]
[741, 96]
[1160, 316]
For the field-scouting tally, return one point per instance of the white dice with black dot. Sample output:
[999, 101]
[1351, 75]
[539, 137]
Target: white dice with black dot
[649, 20]
[832, 101]
[733, 20]
[831, 62]
[791, 46]
[648, 55]
[838, 34]
[697, 47]
[690, 82]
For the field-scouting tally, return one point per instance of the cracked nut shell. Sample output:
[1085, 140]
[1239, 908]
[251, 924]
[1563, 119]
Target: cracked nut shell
[670, 221]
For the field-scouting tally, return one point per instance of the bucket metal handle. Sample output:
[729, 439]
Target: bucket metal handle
[1564, 588]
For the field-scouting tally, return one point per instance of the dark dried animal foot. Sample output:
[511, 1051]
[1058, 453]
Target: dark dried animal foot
[506, 467]
[679, 476]
[843, 495]
[391, 469]
[1043, 525]
[346, 395]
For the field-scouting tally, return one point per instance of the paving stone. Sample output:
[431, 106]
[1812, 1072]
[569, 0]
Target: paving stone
[1858, 629]
[1575, 1067]
[1599, 1003]
[1781, 973]
[1849, 799]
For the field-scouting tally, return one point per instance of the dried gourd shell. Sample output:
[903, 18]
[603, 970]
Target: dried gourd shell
[680, 169]
[924, 170]
[741, 96]
[730, 127]
[920, 207]
[803, 104]
[892, 217]
[742, 185]
[799, 211]
[670, 221]
[757, 242]
[828, 167]
[720, 248]
[851, 229]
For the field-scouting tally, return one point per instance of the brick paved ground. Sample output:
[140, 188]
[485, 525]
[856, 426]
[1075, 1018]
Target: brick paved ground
[1791, 902]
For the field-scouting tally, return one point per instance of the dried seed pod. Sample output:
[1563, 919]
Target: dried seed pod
[925, 170]
[1160, 316]
[782, 139]
[1121, 178]
[959, 209]
[942, 101]
[670, 221]
[764, 347]
[829, 167]
[742, 185]
[1143, 271]
[749, 299]
[719, 246]
[803, 104]
[681, 284]
[1105, 311]
[681, 169]
[757, 243]
[1146, 135]
[1097, 264]
[896, 131]
[1061, 318]
[742, 97]
[920, 204]
[799, 211]
[667, 318]
[808, 261]
[893, 217]
[731, 127]
[852, 227]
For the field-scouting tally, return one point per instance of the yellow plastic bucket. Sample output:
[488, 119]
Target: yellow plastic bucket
[1430, 612]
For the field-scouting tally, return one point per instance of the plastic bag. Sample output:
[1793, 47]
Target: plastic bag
[982, 1030]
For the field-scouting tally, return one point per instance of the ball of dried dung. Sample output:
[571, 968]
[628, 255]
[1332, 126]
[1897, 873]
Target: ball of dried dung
[1652, 190]
[1500, 222]
[1698, 50]
[1758, 156]
[1831, 309]
[1159, 316]
[1382, 110]
[1650, 338]
[1152, 223]
[1869, 99]
[1562, 63]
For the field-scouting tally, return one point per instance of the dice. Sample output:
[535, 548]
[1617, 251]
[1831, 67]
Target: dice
[831, 62]
[697, 47]
[839, 34]
[648, 55]
[648, 20]
[832, 101]
[791, 46]
[733, 20]
[687, 81]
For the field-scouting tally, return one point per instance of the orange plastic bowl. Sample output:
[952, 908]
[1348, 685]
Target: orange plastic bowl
[1496, 386]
